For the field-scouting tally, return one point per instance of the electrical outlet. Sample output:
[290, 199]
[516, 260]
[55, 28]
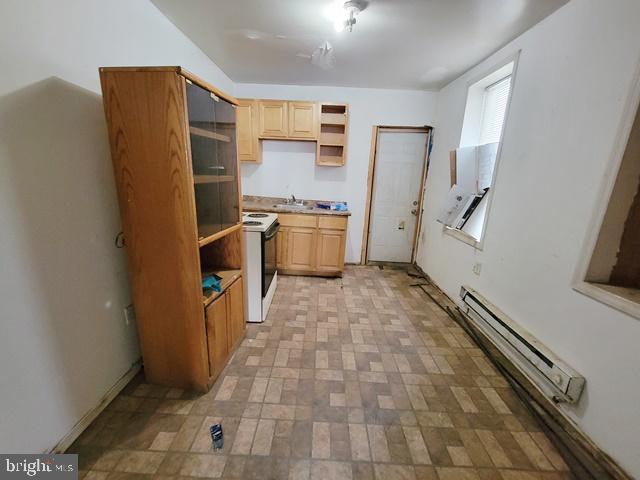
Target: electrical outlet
[129, 314]
[477, 267]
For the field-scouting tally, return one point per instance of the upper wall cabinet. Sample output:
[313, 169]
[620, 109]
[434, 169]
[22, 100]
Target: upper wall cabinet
[273, 119]
[303, 120]
[324, 123]
[247, 123]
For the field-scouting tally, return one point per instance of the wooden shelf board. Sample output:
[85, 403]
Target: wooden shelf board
[331, 144]
[212, 178]
[222, 233]
[333, 119]
[201, 132]
[330, 161]
[228, 277]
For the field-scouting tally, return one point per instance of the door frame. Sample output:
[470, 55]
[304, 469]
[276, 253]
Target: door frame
[376, 129]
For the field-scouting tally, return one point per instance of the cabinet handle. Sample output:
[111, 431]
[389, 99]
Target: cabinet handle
[120, 241]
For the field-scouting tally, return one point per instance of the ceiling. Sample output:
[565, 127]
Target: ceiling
[412, 44]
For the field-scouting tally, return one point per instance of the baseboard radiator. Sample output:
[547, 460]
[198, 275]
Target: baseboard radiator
[552, 376]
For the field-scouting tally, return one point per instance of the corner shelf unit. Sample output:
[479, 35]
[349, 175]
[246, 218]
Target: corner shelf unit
[173, 147]
[332, 140]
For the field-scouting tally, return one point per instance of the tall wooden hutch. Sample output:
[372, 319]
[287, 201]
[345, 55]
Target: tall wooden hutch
[173, 146]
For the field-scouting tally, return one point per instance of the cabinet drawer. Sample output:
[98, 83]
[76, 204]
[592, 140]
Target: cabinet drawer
[333, 222]
[293, 220]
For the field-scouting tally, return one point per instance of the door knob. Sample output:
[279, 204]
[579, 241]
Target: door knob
[415, 203]
[414, 211]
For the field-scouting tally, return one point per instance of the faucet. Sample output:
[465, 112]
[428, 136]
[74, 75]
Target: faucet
[293, 198]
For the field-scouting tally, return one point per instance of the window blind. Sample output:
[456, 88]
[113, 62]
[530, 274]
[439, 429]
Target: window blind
[494, 107]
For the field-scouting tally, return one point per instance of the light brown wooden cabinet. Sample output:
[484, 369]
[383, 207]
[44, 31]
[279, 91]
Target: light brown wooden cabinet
[311, 244]
[303, 120]
[290, 120]
[225, 326]
[330, 250]
[217, 334]
[301, 246]
[273, 119]
[247, 126]
[172, 138]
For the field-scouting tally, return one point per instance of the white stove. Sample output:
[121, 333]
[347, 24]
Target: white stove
[258, 221]
[261, 277]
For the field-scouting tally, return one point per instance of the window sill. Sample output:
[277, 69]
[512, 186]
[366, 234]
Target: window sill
[462, 236]
[624, 299]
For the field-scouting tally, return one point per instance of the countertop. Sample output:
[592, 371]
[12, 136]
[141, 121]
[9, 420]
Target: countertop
[267, 204]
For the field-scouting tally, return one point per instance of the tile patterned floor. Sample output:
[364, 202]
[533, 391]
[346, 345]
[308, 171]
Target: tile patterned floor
[356, 378]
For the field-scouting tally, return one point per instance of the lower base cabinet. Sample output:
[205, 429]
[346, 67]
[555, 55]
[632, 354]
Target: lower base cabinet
[225, 324]
[311, 244]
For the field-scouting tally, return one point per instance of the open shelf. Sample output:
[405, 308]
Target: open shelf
[212, 178]
[333, 135]
[211, 233]
[201, 132]
[228, 277]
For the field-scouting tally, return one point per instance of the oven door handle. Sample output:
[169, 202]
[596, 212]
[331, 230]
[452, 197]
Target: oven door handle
[272, 231]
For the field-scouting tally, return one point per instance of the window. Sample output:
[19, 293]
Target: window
[473, 164]
[496, 96]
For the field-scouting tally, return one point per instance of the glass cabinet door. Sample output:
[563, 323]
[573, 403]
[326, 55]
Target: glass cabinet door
[213, 145]
[227, 158]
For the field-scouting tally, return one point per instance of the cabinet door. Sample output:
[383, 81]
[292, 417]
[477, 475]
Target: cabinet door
[273, 118]
[282, 258]
[235, 313]
[216, 322]
[303, 120]
[227, 174]
[212, 129]
[330, 250]
[301, 247]
[247, 131]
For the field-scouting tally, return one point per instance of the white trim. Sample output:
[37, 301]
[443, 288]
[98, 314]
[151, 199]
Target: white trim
[515, 58]
[458, 234]
[92, 414]
[602, 203]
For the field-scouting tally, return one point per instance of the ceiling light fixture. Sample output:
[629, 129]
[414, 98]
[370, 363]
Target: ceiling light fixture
[343, 14]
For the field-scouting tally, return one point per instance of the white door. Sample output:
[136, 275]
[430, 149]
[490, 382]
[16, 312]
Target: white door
[397, 181]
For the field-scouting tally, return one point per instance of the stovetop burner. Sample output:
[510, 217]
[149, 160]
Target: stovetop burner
[257, 215]
[252, 223]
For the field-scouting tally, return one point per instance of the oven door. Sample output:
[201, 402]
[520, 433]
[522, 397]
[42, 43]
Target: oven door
[269, 249]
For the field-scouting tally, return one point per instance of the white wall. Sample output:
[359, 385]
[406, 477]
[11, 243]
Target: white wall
[574, 76]
[63, 284]
[289, 167]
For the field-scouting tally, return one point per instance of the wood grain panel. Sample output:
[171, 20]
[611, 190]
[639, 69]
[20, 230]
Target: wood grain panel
[303, 120]
[248, 123]
[155, 191]
[297, 220]
[217, 335]
[273, 118]
[302, 244]
[332, 222]
[330, 250]
[235, 313]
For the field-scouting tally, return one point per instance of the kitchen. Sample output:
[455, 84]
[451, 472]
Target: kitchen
[236, 245]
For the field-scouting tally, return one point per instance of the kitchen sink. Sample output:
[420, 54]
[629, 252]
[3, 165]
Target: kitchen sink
[290, 206]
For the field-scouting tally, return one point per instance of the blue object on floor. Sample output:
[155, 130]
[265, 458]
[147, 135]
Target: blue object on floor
[217, 435]
[212, 282]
